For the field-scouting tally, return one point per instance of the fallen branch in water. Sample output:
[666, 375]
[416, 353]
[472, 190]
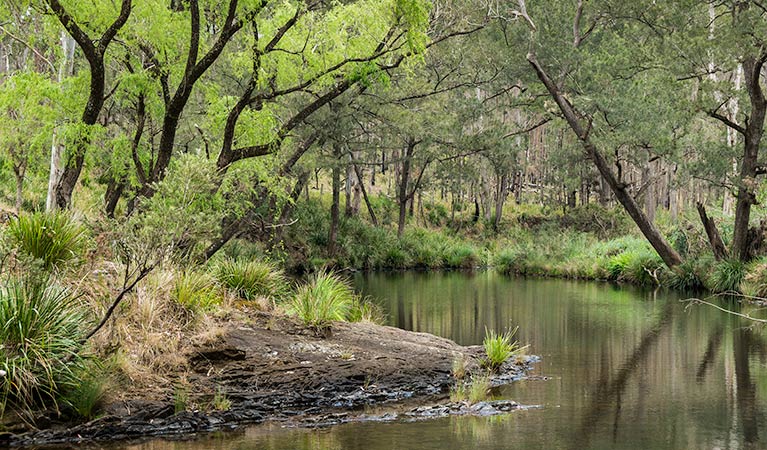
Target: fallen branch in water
[696, 301]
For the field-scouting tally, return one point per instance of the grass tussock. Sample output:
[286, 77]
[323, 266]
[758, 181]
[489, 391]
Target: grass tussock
[499, 348]
[40, 352]
[51, 238]
[325, 298]
[476, 390]
[251, 279]
[727, 276]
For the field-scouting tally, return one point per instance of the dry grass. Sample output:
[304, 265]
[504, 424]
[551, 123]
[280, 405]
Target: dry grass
[150, 334]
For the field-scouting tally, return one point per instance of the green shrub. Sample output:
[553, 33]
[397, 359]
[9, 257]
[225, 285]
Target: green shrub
[251, 279]
[324, 299]
[195, 291]
[53, 239]
[727, 276]
[40, 331]
[499, 348]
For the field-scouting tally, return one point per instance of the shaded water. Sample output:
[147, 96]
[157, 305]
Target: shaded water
[626, 369]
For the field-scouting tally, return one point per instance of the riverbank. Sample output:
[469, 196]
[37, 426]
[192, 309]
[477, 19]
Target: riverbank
[273, 368]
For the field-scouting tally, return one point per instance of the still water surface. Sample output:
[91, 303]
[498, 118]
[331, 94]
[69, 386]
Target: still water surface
[624, 368]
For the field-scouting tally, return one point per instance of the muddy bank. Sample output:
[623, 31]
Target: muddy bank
[275, 369]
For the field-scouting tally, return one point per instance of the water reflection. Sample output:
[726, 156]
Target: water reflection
[628, 369]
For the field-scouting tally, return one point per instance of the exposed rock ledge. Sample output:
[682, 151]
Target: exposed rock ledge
[275, 369]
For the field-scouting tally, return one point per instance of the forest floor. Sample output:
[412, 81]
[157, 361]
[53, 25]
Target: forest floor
[272, 368]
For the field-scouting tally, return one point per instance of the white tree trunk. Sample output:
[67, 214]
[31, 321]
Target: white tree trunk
[57, 147]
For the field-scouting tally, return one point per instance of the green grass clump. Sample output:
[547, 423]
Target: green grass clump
[643, 269]
[40, 331]
[324, 299]
[251, 279]
[460, 256]
[616, 266]
[195, 292]
[51, 238]
[364, 310]
[499, 348]
[511, 261]
[727, 276]
[85, 398]
[475, 391]
[755, 282]
[685, 277]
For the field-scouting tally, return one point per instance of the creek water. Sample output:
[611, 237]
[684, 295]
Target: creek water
[621, 368]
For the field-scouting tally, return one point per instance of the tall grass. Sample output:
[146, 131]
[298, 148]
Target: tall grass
[727, 276]
[40, 331]
[251, 279]
[195, 292]
[499, 348]
[52, 238]
[324, 299]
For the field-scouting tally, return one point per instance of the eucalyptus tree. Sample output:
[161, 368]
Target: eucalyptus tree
[94, 27]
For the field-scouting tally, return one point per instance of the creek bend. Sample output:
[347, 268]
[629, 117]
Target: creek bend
[621, 368]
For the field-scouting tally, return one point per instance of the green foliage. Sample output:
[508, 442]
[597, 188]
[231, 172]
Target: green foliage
[727, 276]
[51, 238]
[643, 269]
[755, 282]
[363, 309]
[195, 291]
[499, 348]
[87, 395]
[40, 351]
[251, 279]
[593, 218]
[475, 391]
[324, 299]
[685, 277]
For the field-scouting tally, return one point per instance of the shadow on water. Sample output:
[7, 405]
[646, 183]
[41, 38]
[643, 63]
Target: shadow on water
[609, 389]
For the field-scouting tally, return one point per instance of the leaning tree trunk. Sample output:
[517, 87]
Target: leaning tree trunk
[670, 256]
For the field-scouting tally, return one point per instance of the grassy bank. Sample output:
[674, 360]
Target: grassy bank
[61, 275]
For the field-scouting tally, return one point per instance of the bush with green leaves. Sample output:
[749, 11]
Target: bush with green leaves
[41, 327]
[251, 279]
[499, 348]
[51, 238]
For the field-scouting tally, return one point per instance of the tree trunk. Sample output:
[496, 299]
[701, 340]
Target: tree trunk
[19, 172]
[746, 196]
[334, 210]
[670, 257]
[402, 195]
[714, 239]
[372, 213]
[500, 198]
[57, 148]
